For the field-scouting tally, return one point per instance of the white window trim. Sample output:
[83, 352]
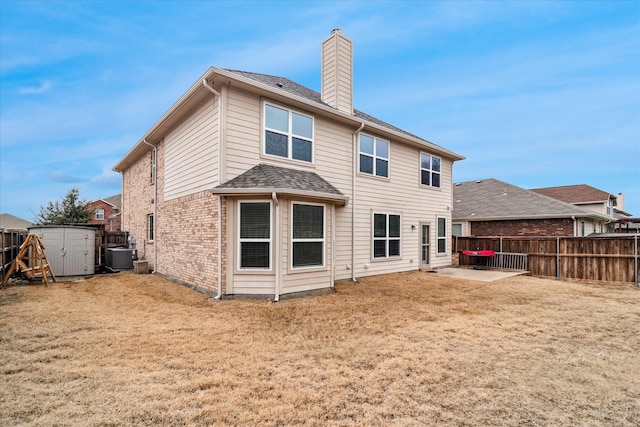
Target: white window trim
[431, 171]
[240, 240]
[289, 135]
[386, 238]
[151, 234]
[99, 214]
[323, 240]
[375, 156]
[438, 238]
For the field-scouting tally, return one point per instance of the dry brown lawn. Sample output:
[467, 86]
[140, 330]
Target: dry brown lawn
[401, 350]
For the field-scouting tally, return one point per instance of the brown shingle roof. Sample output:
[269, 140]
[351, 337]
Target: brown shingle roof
[491, 199]
[266, 179]
[580, 193]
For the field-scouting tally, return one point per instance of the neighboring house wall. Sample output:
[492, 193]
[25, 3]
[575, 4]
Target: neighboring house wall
[110, 222]
[531, 227]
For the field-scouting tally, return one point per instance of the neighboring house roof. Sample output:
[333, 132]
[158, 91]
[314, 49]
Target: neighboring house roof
[265, 179]
[278, 88]
[491, 199]
[12, 222]
[576, 194]
[115, 200]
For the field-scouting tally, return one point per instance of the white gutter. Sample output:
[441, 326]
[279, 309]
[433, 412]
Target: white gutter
[353, 200]
[155, 204]
[276, 246]
[219, 233]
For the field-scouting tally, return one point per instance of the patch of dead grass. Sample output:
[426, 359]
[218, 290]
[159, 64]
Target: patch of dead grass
[403, 349]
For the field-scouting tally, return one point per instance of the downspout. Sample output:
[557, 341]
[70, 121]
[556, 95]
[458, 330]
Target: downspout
[333, 244]
[276, 246]
[155, 205]
[353, 202]
[575, 226]
[219, 233]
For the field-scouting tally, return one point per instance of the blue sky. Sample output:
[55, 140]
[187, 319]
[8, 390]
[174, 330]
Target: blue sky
[533, 93]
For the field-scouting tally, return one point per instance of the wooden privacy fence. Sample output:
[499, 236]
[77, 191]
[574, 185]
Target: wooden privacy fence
[609, 259]
[11, 242]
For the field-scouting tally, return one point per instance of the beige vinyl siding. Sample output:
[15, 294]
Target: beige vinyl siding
[344, 76]
[337, 66]
[329, 83]
[243, 136]
[333, 163]
[191, 163]
[401, 194]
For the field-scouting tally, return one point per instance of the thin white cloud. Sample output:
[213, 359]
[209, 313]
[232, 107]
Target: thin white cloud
[36, 90]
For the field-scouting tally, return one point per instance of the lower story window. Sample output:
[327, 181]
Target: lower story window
[150, 227]
[255, 235]
[442, 235]
[307, 235]
[386, 235]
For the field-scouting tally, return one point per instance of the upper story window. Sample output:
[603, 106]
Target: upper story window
[386, 235]
[374, 156]
[307, 235]
[429, 170]
[99, 214]
[288, 134]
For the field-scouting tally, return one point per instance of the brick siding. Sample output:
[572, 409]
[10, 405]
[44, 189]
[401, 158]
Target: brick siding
[185, 228]
[110, 224]
[534, 227]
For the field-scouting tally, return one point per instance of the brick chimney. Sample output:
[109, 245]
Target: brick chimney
[337, 72]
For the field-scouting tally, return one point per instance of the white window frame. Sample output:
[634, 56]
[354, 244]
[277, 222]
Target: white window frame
[430, 170]
[241, 240]
[151, 227]
[290, 135]
[456, 224]
[439, 238]
[304, 240]
[99, 214]
[387, 238]
[374, 156]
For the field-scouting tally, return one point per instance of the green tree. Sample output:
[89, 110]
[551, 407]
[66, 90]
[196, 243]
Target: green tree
[70, 210]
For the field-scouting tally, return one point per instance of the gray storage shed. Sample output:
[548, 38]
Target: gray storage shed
[71, 250]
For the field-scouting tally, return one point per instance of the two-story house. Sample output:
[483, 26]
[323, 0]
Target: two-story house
[107, 212]
[255, 185]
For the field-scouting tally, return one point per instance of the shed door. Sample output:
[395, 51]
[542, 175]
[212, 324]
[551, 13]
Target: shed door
[76, 257]
[53, 241]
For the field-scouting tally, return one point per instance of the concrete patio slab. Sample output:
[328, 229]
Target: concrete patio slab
[478, 275]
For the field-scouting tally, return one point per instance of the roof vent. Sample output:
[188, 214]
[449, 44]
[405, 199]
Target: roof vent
[280, 84]
[478, 181]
